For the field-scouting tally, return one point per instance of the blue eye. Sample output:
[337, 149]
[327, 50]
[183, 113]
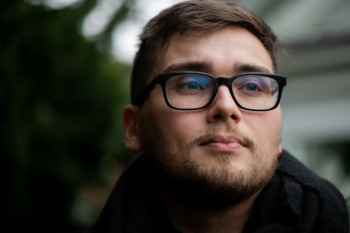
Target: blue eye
[252, 84]
[251, 87]
[192, 85]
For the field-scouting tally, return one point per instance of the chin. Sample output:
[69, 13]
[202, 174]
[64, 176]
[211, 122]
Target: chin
[214, 184]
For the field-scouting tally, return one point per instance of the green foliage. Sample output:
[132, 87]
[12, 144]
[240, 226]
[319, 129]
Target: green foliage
[62, 102]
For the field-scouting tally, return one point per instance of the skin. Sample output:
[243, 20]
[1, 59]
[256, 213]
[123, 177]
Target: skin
[224, 148]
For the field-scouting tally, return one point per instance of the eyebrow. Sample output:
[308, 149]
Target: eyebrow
[244, 68]
[190, 66]
[207, 67]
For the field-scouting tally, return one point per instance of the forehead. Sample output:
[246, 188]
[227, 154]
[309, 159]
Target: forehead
[213, 51]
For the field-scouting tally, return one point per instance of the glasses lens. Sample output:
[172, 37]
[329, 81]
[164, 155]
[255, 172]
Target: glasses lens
[189, 91]
[256, 91]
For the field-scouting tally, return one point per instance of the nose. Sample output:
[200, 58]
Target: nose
[224, 107]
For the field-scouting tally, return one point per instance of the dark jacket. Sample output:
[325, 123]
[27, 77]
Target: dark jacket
[295, 200]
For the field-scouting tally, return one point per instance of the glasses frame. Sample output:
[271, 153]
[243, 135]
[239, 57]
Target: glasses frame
[163, 78]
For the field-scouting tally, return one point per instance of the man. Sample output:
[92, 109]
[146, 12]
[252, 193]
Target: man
[205, 114]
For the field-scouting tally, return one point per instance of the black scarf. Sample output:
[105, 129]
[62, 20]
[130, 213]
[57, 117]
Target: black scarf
[295, 200]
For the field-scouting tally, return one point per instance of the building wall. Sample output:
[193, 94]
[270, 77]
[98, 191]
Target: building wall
[316, 100]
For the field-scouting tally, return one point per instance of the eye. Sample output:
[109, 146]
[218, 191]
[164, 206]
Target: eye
[191, 85]
[251, 87]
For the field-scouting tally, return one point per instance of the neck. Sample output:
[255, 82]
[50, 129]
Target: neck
[192, 218]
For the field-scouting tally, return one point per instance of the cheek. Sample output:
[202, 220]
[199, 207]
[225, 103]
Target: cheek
[180, 126]
[170, 128]
[266, 127]
[166, 137]
[170, 124]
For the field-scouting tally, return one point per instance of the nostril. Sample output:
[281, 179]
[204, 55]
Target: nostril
[219, 116]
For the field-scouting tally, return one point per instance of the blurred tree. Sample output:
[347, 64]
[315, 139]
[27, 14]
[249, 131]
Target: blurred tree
[331, 157]
[61, 103]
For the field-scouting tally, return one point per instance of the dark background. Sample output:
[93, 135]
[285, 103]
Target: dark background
[61, 128]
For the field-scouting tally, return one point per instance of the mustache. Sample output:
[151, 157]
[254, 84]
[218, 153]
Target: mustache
[207, 135]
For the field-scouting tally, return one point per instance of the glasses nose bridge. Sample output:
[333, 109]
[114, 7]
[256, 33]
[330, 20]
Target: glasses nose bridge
[225, 81]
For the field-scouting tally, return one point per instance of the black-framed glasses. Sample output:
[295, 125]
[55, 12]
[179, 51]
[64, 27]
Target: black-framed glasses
[196, 90]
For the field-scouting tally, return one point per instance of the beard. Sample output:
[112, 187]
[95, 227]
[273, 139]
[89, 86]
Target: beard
[197, 182]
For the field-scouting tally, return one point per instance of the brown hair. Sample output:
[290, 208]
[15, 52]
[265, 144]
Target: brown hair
[194, 16]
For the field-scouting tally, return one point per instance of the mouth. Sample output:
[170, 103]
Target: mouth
[223, 143]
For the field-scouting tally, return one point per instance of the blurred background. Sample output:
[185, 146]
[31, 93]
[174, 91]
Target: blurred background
[64, 81]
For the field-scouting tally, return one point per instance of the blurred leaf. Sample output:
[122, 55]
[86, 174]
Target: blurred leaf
[62, 100]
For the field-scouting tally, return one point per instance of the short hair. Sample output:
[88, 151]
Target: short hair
[195, 16]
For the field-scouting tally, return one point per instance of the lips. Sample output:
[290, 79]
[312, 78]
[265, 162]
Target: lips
[223, 143]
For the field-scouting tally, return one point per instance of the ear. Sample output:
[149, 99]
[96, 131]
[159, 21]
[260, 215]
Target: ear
[280, 150]
[131, 133]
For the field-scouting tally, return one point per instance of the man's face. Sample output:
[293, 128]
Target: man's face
[222, 146]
